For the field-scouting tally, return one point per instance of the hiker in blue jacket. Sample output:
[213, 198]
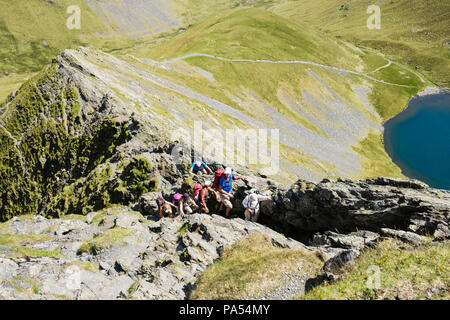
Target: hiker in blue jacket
[200, 166]
[225, 187]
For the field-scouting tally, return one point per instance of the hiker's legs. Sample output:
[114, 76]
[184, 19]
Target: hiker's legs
[187, 209]
[179, 210]
[222, 198]
[204, 209]
[255, 216]
[247, 215]
[227, 203]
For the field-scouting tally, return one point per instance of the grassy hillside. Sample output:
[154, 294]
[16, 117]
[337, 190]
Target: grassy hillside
[245, 270]
[408, 273]
[413, 32]
[301, 99]
[33, 31]
[256, 34]
[249, 33]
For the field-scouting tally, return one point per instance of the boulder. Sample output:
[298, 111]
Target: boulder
[147, 204]
[8, 268]
[334, 267]
[404, 235]
[355, 240]
[348, 206]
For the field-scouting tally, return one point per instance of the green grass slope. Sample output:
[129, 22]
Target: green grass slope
[33, 31]
[245, 270]
[254, 33]
[260, 90]
[251, 33]
[407, 273]
[414, 32]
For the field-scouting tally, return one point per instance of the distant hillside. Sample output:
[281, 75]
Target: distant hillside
[249, 67]
[414, 32]
[311, 99]
[34, 31]
[137, 18]
[256, 34]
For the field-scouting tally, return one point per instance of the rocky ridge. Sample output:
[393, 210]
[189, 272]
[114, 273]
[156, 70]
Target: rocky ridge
[71, 144]
[96, 259]
[118, 253]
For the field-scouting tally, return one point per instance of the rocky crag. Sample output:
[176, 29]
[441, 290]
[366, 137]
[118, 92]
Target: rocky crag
[81, 168]
[118, 253]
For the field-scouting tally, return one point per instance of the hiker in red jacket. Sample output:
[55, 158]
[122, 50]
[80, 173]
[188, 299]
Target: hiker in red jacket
[201, 196]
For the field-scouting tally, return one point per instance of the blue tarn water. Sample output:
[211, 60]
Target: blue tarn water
[418, 140]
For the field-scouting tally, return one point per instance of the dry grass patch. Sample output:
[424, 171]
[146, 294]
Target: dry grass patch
[19, 242]
[405, 273]
[251, 267]
[106, 240]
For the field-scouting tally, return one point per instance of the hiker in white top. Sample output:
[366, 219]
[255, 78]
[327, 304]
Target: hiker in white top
[251, 205]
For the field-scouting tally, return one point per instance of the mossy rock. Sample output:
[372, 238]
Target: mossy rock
[106, 240]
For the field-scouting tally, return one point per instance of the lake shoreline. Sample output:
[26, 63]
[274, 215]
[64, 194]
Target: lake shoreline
[414, 106]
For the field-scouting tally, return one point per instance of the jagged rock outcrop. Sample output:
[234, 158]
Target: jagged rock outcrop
[71, 143]
[86, 149]
[348, 206]
[68, 144]
[116, 253]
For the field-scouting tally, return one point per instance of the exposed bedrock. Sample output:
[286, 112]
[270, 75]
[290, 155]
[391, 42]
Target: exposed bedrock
[347, 206]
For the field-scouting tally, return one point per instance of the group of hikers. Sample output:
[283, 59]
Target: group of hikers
[220, 187]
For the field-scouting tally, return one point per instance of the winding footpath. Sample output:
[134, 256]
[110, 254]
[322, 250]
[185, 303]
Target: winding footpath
[311, 63]
[382, 67]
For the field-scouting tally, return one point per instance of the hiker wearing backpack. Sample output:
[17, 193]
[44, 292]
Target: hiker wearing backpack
[201, 193]
[200, 166]
[183, 203]
[225, 185]
[251, 205]
[164, 206]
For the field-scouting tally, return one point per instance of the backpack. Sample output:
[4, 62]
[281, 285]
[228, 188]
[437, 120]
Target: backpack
[176, 198]
[197, 188]
[217, 177]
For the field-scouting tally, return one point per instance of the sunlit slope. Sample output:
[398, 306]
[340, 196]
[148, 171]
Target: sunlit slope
[137, 18]
[315, 89]
[33, 31]
[414, 32]
[256, 34]
[250, 68]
